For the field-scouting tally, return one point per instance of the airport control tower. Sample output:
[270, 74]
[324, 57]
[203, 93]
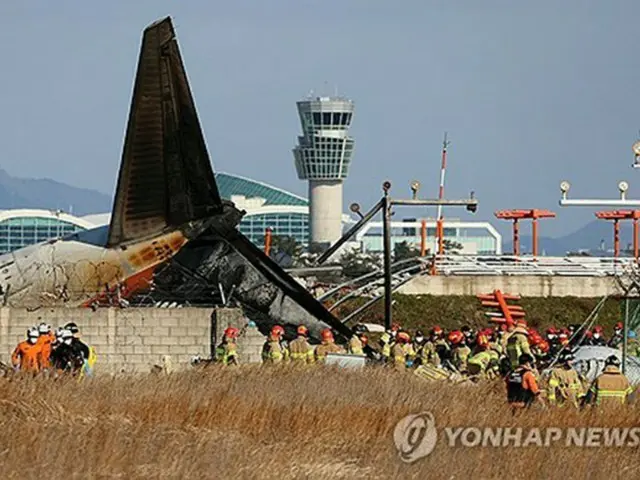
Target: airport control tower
[322, 156]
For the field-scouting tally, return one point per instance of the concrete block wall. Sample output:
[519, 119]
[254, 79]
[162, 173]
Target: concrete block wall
[134, 339]
[126, 340]
[250, 341]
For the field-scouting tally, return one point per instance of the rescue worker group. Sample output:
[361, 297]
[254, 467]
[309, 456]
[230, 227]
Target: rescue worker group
[59, 353]
[514, 353]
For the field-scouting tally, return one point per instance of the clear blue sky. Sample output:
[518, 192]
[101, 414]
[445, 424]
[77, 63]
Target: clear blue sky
[530, 92]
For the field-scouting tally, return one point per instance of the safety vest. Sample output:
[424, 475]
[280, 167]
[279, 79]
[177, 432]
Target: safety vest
[516, 393]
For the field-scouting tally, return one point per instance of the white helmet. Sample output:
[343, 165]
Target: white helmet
[32, 335]
[44, 328]
[66, 334]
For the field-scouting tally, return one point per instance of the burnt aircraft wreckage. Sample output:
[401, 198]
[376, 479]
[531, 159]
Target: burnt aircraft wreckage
[170, 230]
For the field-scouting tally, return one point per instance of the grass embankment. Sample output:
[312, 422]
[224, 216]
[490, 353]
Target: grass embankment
[254, 422]
[424, 311]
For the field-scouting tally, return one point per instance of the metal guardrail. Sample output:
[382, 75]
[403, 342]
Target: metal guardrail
[543, 266]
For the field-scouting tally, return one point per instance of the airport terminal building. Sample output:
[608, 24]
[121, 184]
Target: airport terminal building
[287, 214]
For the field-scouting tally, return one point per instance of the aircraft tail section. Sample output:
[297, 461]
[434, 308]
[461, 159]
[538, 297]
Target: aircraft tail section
[165, 178]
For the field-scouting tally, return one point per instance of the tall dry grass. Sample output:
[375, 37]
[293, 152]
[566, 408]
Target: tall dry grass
[254, 422]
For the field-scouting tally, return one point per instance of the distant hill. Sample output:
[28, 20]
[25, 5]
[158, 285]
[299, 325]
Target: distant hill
[588, 237]
[51, 195]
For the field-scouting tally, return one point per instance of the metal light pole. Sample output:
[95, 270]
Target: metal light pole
[386, 234]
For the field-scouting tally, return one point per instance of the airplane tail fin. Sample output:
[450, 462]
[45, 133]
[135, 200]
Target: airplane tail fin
[165, 178]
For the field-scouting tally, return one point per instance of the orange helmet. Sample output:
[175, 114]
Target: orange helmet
[619, 326]
[326, 334]
[456, 337]
[277, 331]
[483, 341]
[302, 330]
[395, 327]
[597, 329]
[521, 323]
[588, 334]
[544, 346]
[231, 332]
[364, 339]
[404, 337]
[436, 330]
[535, 339]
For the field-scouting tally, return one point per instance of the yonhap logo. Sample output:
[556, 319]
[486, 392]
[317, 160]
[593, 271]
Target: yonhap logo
[415, 436]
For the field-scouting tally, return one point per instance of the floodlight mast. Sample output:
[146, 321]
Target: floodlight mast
[622, 202]
[385, 204]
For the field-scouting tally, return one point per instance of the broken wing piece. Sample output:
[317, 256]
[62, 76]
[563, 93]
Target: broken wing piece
[165, 178]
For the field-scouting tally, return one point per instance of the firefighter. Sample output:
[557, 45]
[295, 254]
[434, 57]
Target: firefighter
[564, 385]
[46, 339]
[522, 386]
[469, 335]
[418, 344]
[486, 361]
[356, 346]
[518, 344]
[386, 342]
[300, 350]
[597, 339]
[88, 352]
[227, 351]
[618, 337]
[274, 351]
[66, 358]
[434, 349]
[402, 352]
[328, 345]
[26, 356]
[611, 387]
[460, 352]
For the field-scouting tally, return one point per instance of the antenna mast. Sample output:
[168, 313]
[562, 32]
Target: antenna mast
[440, 223]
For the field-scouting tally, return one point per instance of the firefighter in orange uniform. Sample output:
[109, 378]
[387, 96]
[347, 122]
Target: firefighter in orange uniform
[26, 356]
[46, 339]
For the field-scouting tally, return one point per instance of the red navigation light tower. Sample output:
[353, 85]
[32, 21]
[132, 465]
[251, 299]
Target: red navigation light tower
[517, 215]
[616, 216]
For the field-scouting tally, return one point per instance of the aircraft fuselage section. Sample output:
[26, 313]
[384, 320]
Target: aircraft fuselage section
[74, 273]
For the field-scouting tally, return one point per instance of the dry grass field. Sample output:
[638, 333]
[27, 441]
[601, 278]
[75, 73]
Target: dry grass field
[256, 422]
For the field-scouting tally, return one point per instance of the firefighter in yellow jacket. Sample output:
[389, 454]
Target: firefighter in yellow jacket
[227, 351]
[611, 388]
[402, 352]
[518, 343]
[328, 345]
[300, 350]
[564, 385]
[485, 362]
[274, 350]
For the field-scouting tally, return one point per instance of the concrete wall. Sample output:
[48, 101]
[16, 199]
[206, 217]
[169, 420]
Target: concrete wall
[134, 339]
[528, 286]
